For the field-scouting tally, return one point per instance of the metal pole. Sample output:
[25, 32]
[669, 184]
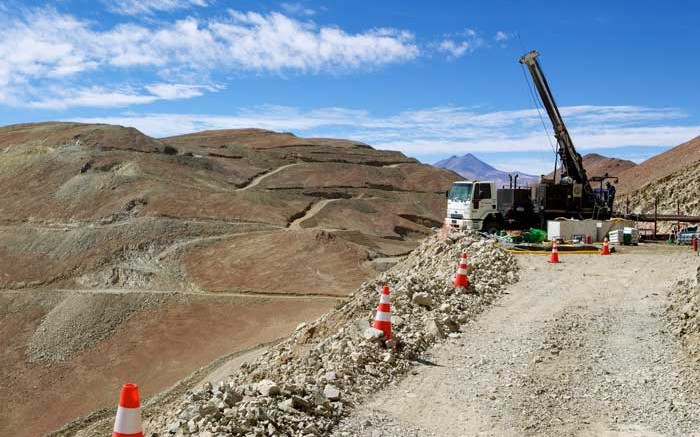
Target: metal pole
[655, 205]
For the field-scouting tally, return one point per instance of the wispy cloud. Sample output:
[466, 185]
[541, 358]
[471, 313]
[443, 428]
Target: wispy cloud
[113, 97]
[52, 50]
[442, 130]
[148, 7]
[502, 36]
[457, 45]
[297, 8]
[171, 91]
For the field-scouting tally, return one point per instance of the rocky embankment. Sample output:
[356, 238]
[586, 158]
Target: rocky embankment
[670, 179]
[674, 193]
[683, 314]
[306, 384]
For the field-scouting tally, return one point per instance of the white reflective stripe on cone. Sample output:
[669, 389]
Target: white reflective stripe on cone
[462, 271]
[383, 317]
[384, 299]
[128, 420]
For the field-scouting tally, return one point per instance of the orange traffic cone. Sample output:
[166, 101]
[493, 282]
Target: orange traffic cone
[606, 249]
[128, 421]
[461, 279]
[382, 320]
[554, 258]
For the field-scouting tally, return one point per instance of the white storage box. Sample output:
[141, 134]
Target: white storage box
[616, 237]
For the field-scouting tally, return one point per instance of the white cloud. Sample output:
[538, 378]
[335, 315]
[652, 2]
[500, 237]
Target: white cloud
[101, 97]
[148, 7]
[276, 42]
[457, 45]
[171, 91]
[502, 36]
[297, 8]
[452, 48]
[441, 130]
[50, 50]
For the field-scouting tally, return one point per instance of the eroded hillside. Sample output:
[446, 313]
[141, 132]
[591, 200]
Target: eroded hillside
[672, 178]
[126, 257]
[98, 205]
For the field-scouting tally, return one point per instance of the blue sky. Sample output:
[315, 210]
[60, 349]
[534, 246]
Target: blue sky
[431, 79]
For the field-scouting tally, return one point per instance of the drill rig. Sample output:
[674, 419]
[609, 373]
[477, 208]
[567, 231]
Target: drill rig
[480, 205]
[573, 195]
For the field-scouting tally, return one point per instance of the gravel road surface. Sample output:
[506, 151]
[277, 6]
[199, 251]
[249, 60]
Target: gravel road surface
[573, 349]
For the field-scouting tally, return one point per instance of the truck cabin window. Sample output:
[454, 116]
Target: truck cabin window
[484, 191]
[461, 192]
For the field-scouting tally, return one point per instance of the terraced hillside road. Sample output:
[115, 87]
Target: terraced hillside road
[574, 349]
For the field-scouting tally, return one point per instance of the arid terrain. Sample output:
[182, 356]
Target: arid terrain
[581, 348]
[594, 345]
[129, 257]
[162, 260]
[672, 177]
[599, 165]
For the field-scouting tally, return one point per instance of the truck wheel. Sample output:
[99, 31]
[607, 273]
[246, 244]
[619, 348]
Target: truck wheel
[491, 227]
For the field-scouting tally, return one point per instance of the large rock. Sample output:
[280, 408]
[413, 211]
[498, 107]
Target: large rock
[423, 299]
[331, 392]
[433, 328]
[373, 334]
[267, 387]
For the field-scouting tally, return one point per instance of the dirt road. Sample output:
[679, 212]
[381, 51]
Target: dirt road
[315, 209]
[574, 349]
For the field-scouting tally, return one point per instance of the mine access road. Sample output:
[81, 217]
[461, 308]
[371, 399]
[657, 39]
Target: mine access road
[580, 348]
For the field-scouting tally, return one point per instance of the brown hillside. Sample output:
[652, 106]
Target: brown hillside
[599, 165]
[677, 192]
[660, 166]
[93, 194]
[111, 240]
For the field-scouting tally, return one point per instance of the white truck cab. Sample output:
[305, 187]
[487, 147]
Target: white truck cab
[472, 205]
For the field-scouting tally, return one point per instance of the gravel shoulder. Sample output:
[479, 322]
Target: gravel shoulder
[574, 349]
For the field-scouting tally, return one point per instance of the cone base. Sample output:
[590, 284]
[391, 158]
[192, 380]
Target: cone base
[385, 327]
[464, 290]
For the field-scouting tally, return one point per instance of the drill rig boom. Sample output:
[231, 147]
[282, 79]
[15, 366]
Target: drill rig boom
[570, 159]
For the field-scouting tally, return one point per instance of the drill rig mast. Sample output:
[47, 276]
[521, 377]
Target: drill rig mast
[571, 160]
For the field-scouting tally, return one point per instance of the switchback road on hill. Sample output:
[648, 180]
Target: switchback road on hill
[573, 349]
[264, 176]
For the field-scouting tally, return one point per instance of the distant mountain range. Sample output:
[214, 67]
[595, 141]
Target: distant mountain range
[470, 167]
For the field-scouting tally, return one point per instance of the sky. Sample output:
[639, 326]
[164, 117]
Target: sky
[430, 79]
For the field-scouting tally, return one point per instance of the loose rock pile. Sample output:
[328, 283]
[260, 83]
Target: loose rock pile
[304, 385]
[683, 314]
